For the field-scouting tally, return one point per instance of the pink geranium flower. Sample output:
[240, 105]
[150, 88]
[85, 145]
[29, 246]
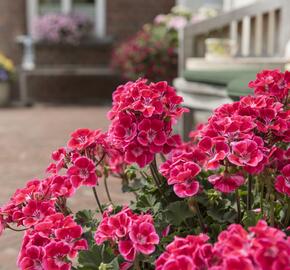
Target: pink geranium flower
[35, 211]
[136, 153]
[282, 183]
[151, 132]
[226, 182]
[82, 172]
[245, 152]
[144, 237]
[80, 139]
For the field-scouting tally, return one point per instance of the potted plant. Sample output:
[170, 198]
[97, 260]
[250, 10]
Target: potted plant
[6, 72]
[152, 52]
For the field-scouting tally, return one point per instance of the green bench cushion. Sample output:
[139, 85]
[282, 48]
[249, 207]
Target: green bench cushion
[218, 76]
[239, 87]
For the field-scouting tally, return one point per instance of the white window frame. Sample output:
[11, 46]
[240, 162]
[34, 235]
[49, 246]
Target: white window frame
[32, 12]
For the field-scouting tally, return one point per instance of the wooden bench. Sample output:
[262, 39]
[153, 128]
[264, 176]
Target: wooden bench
[261, 32]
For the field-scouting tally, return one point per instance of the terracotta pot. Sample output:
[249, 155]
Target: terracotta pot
[4, 94]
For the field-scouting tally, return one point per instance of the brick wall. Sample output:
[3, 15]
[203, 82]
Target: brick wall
[125, 17]
[12, 24]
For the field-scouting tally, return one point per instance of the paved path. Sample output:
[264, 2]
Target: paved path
[27, 137]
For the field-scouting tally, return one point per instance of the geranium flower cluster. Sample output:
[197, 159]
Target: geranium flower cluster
[133, 234]
[142, 117]
[263, 248]
[51, 236]
[242, 138]
[51, 243]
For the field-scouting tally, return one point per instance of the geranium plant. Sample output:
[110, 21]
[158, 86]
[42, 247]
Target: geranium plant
[219, 202]
[62, 28]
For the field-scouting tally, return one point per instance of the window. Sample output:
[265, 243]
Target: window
[49, 6]
[86, 7]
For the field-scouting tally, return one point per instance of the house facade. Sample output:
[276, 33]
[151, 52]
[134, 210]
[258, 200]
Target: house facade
[115, 18]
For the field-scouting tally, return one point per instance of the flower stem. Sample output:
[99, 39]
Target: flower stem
[107, 190]
[155, 177]
[194, 207]
[15, 230]
[97, 199]
[154, 162]
[272, 213]
[262, 197]
[238, 206]
[249, 194]
[287, 218]
[136, 264]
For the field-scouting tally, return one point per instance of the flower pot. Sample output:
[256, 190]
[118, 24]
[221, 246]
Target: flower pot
[4, 94]
[219, 48]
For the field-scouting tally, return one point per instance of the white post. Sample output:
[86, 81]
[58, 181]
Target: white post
[227, 5]
[271, 33]
[66, 6]
[259, 35]
[100, 18]
[246, 36]
[32, 8]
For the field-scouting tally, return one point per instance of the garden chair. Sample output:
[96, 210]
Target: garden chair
[261, 32]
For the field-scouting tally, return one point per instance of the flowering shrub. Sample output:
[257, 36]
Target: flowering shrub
[218, 202]
[6, 68]
[62, 28]
[152, 52]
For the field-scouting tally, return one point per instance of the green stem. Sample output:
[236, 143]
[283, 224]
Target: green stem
[156, 170]
[194, 207]
[272, 213]
[238, 206]
[107, 190]
[136, 264]
[97, 199]
[287, 218]
[262, 197]
[249, 194]
[15, 230]
[200, 218]
[155, 178]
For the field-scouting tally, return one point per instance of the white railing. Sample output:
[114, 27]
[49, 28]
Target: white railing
[32, 12]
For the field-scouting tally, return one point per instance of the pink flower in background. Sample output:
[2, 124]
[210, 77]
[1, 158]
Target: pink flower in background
[62, 28]
[82, 172]
[177, 22]
[160, 19]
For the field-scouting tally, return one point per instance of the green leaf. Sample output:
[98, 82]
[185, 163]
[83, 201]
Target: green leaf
[251, 218]
[178, 212]
[91, 259]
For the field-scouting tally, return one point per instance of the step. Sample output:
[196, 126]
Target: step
[90, 52]
[69, 84]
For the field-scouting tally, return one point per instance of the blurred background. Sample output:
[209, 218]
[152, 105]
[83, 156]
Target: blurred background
[60, 61]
